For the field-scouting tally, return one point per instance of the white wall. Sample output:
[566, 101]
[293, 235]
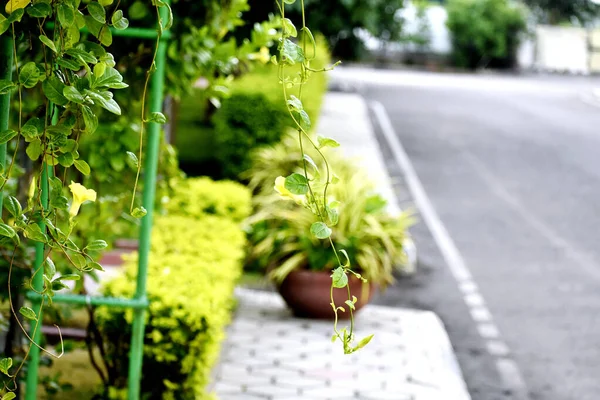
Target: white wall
[561, 49]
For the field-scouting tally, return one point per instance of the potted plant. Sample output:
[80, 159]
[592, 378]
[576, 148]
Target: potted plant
[299, 264]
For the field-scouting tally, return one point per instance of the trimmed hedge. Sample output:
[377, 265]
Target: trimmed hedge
[219, 147]
[195, 197]
[244, 122]
[195, 261]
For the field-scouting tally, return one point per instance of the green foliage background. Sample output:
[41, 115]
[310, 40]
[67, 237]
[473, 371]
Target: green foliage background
[485, 32]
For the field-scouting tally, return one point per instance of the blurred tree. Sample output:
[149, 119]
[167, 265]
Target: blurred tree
[485, 33]
[340, 21]
[557, 11]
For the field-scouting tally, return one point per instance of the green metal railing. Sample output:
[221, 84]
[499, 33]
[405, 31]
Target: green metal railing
[139, 302]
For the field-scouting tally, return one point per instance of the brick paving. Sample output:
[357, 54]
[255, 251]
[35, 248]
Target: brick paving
[269, 354]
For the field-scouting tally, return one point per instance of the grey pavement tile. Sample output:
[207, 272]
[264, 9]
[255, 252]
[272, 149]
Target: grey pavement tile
[244, 379]
[330, 394]
[387, 395]
[273, 390]
[224, 388]
[242, 396]
[270, 353]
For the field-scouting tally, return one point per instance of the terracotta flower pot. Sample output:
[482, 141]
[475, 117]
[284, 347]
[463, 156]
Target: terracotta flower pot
[307, 294]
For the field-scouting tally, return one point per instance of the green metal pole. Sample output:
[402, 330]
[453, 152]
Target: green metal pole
[38, 284]
[150, 172]
[6, 61]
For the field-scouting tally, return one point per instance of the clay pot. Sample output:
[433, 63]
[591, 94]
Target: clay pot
[307, 294]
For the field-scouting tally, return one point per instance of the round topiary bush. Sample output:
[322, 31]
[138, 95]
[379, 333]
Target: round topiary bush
[244, 122]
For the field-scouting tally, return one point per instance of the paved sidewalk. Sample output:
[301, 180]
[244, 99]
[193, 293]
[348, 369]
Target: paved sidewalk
[268, 354]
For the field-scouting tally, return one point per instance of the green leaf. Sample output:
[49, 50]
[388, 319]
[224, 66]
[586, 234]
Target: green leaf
[6, 230]
[6, 86]
[13, 206]
[291, 52]
[90, 119]
[104, 100]
[138, 10]
[289, 1]
[320, 230]
[350, 304]
[304, 120]
[139, 212]
[118, 21]
[158, 118]
[311, 162]
[4, 24]
[29, 75]
[296, 184]
[334, 338]
[82, 167]
[73, 277]
[73, 65]
[9, 396]
[28, 313]
[96, 266]
[339, 278]
[99, 69]
[327, 142]
[83, 55]
[347, 262]
[333, 215]
[59, 201]
[365, 341]
[66, 14]
[72, 36]
[39, 10]
[7, 135]
[80, 20]
[31, 129]
[5, 365]
[96, 245]
[49, 268]
[34, 149]
[111, 78]
[53, 89]
[311, 38]
[97, 12]
[105, 36]
[133, 159]
[72, 94]
[34, 232]
[16, 16]
[44, 39]
[66, 159]
[295, 103]
[289, 28]
[79, 262]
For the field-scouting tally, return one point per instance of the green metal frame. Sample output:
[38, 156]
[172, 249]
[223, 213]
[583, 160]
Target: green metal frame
[139, 302]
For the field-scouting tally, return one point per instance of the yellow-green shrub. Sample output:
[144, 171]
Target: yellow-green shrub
[195, 197]
[195, 261]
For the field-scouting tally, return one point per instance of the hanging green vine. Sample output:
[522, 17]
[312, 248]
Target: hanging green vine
[73, 81]
[309, 188]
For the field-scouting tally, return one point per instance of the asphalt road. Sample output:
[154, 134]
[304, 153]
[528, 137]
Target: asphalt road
[512, 166]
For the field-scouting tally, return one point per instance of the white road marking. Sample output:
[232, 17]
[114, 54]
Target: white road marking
[488, 330]
[507, 368]
[480, 314]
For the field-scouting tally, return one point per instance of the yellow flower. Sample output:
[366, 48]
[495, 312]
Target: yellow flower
[13, 5]
[32, 188]
[80, 196]
[262, 55]
[286, 194]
